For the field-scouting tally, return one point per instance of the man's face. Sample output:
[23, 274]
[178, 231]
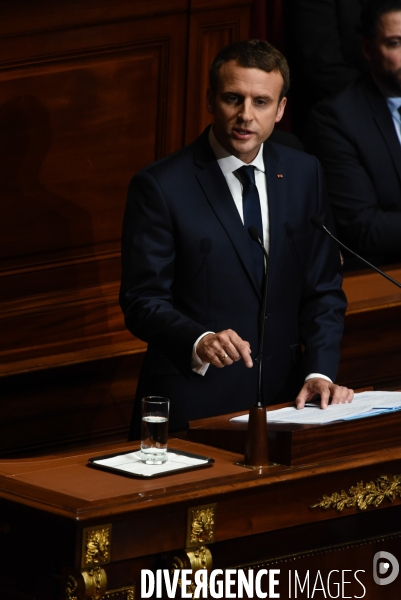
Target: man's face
[245, 108]
[384, 51]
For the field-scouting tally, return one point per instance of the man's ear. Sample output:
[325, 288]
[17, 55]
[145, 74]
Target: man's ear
[210, 101]
[280, 109]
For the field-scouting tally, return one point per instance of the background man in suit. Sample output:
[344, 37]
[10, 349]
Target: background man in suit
[189, 269]
[357, 136]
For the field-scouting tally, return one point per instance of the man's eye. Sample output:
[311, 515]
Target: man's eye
[232, 98]
[260, 102]
[393, 43]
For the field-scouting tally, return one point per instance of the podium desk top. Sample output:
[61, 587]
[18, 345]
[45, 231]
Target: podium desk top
[61, 498]
[65, 485]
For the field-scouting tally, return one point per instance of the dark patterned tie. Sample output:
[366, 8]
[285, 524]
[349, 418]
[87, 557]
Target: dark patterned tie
[252, 214]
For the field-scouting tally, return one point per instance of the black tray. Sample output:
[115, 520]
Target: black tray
[180, 469]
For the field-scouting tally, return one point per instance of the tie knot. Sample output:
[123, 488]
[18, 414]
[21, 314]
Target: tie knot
[247, 174]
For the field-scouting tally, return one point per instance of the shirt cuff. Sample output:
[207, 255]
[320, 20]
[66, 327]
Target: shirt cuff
[197, 365]
[312, 375]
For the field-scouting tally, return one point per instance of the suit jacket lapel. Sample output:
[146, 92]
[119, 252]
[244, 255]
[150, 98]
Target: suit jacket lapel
[219, 197]
[384, 122]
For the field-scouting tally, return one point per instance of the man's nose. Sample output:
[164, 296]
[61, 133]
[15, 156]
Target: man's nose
[245, 112]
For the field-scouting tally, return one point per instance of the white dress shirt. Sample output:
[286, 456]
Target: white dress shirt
[394, 104]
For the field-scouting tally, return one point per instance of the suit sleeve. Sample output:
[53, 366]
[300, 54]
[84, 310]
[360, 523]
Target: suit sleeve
[323, 303]
[361, 221]
[148, 264]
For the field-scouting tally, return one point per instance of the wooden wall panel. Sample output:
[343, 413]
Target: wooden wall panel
[43, 15]
[371, 348]
[90, 92]
[210, 31]
[73, 130]
[68, 405]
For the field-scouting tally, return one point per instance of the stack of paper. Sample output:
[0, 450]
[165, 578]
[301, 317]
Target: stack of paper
[365, 404]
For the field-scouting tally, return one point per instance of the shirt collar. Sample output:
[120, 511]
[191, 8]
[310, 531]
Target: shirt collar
[229, 163]
[394, 104]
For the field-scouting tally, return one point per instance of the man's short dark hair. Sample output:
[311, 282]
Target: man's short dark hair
[252, 54]
[372, 10]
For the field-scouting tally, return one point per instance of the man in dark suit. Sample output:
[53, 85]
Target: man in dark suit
[357, 136]
[189, 266]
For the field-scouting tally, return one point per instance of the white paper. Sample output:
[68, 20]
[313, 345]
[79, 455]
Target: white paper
[364, 404]
[131, 463]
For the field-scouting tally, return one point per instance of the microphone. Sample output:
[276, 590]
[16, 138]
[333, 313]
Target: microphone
[255, 235]
[319, 224]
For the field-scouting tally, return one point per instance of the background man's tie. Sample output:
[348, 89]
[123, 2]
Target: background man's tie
[252, 214]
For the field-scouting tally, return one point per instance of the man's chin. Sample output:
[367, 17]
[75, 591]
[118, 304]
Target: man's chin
[393, 82]
[244, 151]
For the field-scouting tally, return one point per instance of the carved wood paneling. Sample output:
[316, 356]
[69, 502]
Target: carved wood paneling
[371, 349]
[210, 31]
[73, 129]
[90, 92]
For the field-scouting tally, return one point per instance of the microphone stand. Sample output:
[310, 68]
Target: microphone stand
[319, 224]
[256, 448]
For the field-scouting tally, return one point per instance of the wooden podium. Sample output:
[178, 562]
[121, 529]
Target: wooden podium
[291, 444]
[70, 531]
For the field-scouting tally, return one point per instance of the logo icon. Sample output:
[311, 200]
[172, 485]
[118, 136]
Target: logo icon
[385, 568]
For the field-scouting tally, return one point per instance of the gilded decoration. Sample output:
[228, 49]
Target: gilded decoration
[201, 525]
[125, 593]
[87, 584]
[191, 558]
[95, 583]
[372, 494]
[71, 587]
[200, 558]
[96, 546]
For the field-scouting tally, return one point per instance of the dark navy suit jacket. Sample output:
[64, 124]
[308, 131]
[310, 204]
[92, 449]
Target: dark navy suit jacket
[187, 268]
[354, 136]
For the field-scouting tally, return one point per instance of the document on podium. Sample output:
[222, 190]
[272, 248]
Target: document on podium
[364, 404]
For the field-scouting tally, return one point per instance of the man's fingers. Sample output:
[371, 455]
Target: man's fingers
[341, 395]
[245, 353]
[330, 393]
[302, 398]
[338, 395]
[324, 398]
[236, 348]
[223, 348]
[350, 395]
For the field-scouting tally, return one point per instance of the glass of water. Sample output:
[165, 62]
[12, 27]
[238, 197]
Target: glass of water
[154, 429]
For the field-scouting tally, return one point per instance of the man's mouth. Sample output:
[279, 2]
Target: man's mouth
[242, 134]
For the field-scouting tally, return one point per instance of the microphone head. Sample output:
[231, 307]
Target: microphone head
[254, 233]
[317, 222]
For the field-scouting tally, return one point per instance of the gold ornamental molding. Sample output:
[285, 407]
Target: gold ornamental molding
[201, 525]
[191, 558]
[124, 593]
[360, 495]
[87, 584]
[96, 546]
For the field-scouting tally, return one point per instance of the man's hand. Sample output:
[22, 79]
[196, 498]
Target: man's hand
[326, 390]
[223, 348]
